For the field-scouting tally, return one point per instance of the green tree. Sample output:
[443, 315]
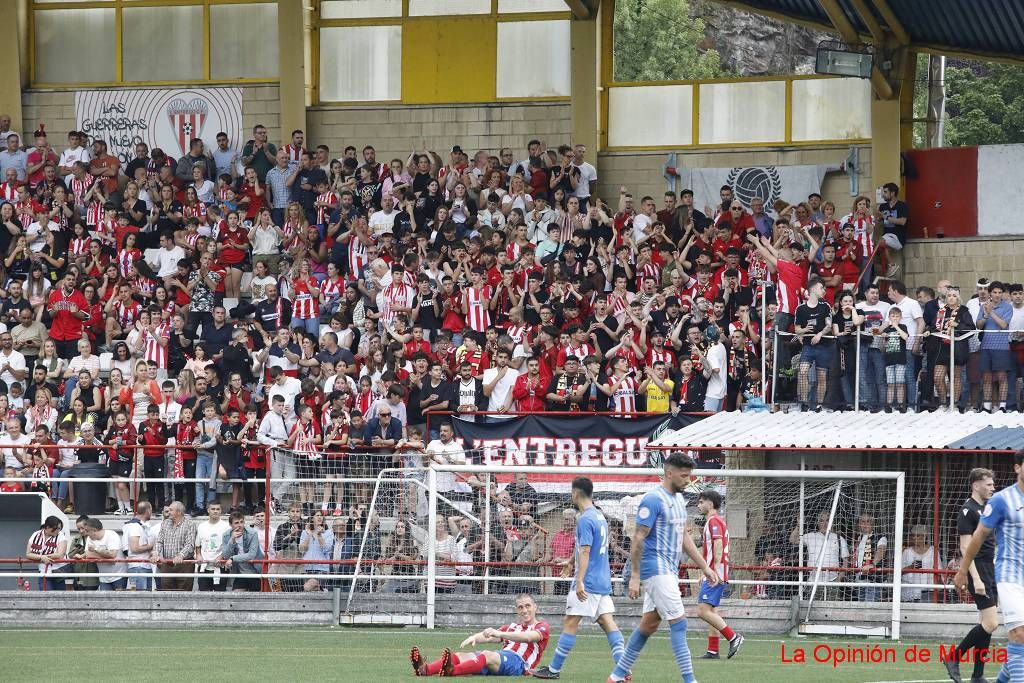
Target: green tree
[984, 103]
[657, 40]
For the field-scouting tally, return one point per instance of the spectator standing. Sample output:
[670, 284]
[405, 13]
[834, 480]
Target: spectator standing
[913, 319]
[872, 360]
[49, 547]
[560, 552]
[258, 153]
[210, 538]
[918, 555]
[836, 552]
[894, 352]
[993, 317]
[139, 541]
[104, 545]
[174, 545]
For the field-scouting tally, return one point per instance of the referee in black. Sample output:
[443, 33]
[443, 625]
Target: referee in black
[981, 579]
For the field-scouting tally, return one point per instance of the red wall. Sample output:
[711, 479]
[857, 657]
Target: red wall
[945, 192]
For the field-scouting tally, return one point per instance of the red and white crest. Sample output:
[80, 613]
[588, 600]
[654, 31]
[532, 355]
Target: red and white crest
[187, 120]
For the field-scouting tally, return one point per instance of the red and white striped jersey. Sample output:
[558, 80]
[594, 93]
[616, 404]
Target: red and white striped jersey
[623, 400]
[324, 212]
[197, 211]
[94, 214]
[305, 442]
[530, 653]
[154, 351]
[331, 289]
[79, 246]
[79, 188]
[304, 304]
[294, 153]
[660, 355]
[715, 528]
[26, 211]
[477, 316]
[649, 270]
[126, 258]
[619, 303]
[357, 258]
[106, 228]
[126, 314]
[518, 332]
[395, 295]
[291, 230]
[9, 192]
[191, 239]
[863, 233]
[580, 352]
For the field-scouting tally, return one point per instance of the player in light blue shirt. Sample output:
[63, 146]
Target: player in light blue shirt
[659, 537]
[1004, 513]
[591, 596]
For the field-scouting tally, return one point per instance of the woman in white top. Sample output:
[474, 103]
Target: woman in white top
[266, 239]
[53, 363]
[918, 554]
[517, 198]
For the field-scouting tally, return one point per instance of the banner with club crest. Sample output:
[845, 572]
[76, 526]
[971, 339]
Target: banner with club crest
[164, 118]
[791, 184]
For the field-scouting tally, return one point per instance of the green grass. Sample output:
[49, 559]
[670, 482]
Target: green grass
[377, 655]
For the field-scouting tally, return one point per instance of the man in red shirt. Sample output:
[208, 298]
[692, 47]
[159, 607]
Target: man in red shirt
[67, 307]
[792, 279]
[104, 167]
[528, 391]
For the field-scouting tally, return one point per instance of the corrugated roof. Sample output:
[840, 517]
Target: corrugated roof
[986, 28]
[992, 439]
[847, 430]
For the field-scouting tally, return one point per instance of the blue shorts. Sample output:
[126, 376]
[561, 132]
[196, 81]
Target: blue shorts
[511, 665]
[818, 355]
[994, 360]
[711, 595]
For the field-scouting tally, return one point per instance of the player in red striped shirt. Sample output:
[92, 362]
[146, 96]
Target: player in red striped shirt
[715, 550]
[523, 643]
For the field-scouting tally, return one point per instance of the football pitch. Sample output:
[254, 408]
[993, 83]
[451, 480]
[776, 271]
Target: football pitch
[378, 655]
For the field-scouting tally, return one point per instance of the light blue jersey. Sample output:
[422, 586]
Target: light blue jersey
[592, 530]
[1005, 514]
[665, 515]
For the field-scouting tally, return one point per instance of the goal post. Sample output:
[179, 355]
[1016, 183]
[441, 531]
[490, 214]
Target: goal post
[773, 518]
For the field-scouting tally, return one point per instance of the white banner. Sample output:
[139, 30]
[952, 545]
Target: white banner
[167, 119]
[791, 184]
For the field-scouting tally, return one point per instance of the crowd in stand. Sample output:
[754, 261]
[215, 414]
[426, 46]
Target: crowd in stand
[254, 296]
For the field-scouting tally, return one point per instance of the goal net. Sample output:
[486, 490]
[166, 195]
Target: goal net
[809, 538]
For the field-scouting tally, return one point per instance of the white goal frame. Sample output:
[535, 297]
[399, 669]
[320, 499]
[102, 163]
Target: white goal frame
[899, 478]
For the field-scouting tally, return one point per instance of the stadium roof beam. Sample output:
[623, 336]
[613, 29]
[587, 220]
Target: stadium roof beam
[582, 9]
[957, 28]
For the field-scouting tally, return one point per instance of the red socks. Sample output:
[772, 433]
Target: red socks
[713, 644]
[470, 666]
[728, 633]
[433, 668]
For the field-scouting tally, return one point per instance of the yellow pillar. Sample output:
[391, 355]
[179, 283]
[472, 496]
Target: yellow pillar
[14, 57]
[885, 143]
[291, 36]
[585, 68]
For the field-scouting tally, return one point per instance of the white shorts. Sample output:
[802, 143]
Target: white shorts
[1011, 604]
[661, 595]
[593, 607]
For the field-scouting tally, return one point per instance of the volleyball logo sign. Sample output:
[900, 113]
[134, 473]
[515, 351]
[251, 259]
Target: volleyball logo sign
[169, 119]
[759, 181]
[187, 120]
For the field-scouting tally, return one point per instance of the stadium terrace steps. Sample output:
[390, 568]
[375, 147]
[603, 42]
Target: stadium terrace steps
[176, 610]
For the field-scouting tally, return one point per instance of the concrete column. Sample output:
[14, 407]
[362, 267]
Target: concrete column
[585, 64]
[293, 70]
[14, 57]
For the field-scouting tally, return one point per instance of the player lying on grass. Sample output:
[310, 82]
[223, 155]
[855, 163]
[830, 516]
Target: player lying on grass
[524, 642]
